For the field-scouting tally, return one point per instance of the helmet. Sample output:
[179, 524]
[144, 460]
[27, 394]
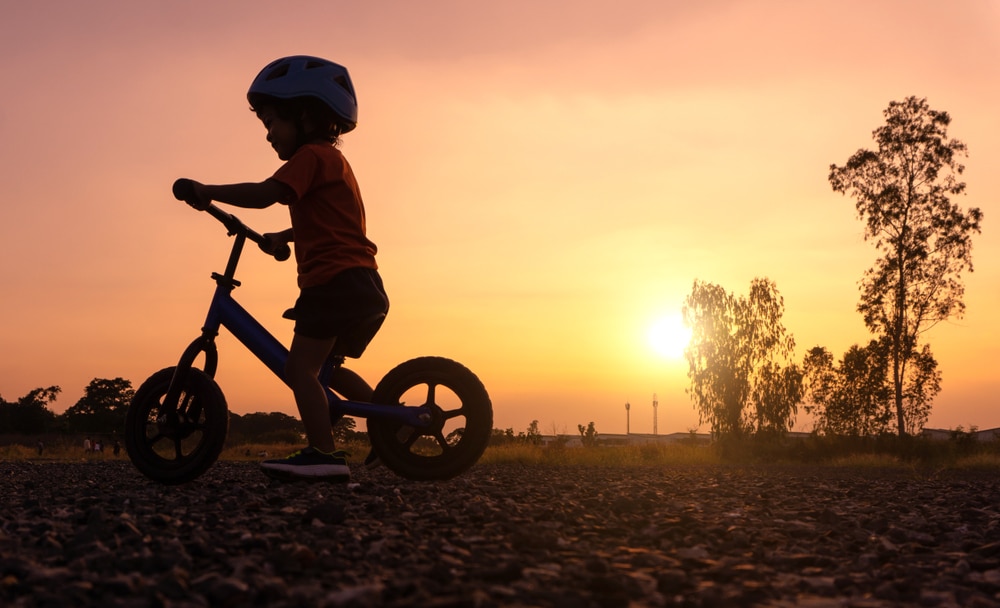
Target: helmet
[304, 76]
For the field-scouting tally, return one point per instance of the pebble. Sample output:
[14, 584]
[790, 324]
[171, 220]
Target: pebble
[501, 535]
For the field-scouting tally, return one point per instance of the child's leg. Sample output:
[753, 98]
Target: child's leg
[305, 359]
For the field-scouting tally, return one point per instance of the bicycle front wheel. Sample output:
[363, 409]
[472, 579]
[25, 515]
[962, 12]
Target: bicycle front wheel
[176, 445]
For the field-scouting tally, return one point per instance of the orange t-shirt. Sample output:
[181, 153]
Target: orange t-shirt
[328, 217]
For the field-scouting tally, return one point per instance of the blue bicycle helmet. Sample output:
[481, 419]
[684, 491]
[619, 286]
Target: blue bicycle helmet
[305, 76]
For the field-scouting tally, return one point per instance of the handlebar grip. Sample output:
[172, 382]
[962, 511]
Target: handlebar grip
[184, 190]
[282, 253]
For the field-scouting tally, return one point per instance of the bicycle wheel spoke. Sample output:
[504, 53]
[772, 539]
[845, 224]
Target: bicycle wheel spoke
[442, 442]
[431, 394]
[449, 414]
[408, 442]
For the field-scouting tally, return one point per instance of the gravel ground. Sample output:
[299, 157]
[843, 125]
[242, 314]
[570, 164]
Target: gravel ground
[501, 535]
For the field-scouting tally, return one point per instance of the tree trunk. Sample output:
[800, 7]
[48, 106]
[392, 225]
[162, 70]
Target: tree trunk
[899, 342]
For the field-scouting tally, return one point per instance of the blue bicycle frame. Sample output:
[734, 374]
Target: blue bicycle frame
[224, 311]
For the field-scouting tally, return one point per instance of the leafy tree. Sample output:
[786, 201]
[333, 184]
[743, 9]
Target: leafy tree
[921, 384]
[588, 435]
[29, 414]
[102, 408]
[741, 380]
[903, 193]
[533, 436]
[264, 427]
[852, 398]
[855, 397]
[346, 429]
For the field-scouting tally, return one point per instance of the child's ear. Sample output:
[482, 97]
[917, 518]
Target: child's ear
[308, 125]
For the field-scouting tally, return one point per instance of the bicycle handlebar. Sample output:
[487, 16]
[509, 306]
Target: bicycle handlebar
[184, 191]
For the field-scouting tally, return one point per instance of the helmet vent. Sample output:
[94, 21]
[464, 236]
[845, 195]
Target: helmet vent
[277, 72]
[314, 64]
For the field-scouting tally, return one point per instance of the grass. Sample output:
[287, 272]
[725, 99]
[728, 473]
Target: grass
[940, 455]
[622, 455]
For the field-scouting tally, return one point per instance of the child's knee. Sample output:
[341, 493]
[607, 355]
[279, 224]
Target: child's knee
[298, 376]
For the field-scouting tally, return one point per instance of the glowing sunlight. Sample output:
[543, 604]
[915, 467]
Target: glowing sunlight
[668, 336]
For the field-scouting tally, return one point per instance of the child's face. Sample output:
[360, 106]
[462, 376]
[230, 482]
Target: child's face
[281, 133]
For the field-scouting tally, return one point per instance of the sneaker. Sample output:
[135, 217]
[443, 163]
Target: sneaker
[309, 464]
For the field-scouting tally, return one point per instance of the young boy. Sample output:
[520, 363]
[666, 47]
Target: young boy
[306, 104]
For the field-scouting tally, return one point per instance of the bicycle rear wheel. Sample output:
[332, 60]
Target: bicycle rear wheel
[460, 426]
[174, 447]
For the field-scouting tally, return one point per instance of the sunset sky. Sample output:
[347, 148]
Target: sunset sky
[545, 181]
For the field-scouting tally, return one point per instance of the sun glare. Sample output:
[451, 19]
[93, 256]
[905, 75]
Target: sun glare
[668, 336]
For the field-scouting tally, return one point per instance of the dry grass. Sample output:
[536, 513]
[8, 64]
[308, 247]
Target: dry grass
[625, 455]
[524, 454]
[253, 452]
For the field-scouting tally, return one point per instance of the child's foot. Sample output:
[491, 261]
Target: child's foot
[309, 464]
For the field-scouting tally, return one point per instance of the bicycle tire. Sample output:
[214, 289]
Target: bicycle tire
[428, 454]
[175, 453]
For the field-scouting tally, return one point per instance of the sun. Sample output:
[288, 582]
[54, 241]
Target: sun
[668, 336]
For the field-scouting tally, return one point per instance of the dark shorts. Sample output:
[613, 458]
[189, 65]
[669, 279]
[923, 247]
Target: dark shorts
[346, 307]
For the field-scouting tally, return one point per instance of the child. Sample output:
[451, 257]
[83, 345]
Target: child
[306, 104]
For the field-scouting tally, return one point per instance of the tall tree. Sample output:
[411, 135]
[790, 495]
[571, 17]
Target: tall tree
[903, 194]
[741, 379]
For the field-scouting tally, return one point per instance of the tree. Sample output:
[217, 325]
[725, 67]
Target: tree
[29, 414]
[102, 408]
[903, 193]
[588, 435]
[852, 398]
[533, 436]
[855, 397]
[741, 380]
[346, 429]
[264, 427]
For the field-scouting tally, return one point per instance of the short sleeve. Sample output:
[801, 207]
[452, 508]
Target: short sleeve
[299, 173]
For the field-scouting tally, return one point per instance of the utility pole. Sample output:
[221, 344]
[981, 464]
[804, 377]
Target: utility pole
[656, 404]
[627, 416]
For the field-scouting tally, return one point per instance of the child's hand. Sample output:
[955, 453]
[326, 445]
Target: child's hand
[192, 192]
[276, 244]
[272, 240]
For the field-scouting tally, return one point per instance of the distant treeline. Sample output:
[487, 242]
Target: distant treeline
[100, 413]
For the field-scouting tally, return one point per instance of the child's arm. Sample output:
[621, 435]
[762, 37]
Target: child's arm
[248, 195]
